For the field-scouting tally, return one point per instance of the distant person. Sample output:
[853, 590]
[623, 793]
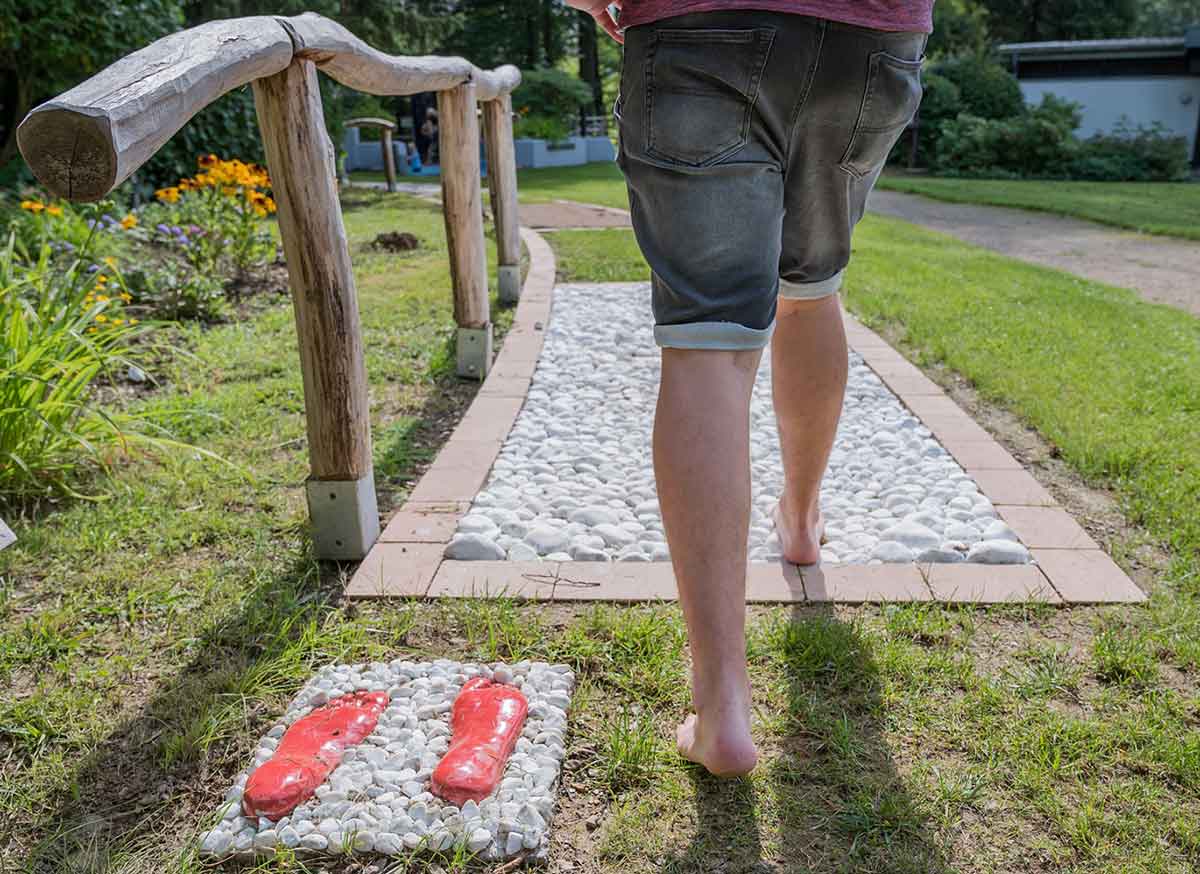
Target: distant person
[751, 132]
[429, 130]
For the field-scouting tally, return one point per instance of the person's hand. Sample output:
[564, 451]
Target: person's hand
[598, 9]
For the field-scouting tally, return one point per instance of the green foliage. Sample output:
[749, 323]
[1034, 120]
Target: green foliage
[960, 27]
[60, 337]
[49, 46]
[528, 33]
[1132, 154]
[1166, 17]
[551, 94]
[985, 88]
[1039, 20]
[1034, 143]
[1040, 143]
[541, 127]
[228, 126]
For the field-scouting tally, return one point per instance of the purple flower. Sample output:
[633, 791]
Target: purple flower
[68, 247]
[108, 220]
[194, 229]
[91, 223]
[162, 229]
[183, 240]
[92, 268]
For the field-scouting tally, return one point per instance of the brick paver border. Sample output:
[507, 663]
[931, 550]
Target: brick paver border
[407, 561]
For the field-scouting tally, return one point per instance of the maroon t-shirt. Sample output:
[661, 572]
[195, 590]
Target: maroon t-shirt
[905, 15]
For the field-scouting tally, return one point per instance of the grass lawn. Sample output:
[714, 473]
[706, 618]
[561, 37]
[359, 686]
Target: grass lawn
[146, 641]
[1167, 208]
[600, 183]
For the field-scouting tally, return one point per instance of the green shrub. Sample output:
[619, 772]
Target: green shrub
[942, 101]
[61, 333]
[541, 127]
[1143, 154]
[986, 89]
[551, 94]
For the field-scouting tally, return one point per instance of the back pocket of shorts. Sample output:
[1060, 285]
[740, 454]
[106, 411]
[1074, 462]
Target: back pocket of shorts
[701, 85]
[891, 99]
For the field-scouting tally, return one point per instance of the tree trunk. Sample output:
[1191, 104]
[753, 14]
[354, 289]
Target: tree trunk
[589, 60]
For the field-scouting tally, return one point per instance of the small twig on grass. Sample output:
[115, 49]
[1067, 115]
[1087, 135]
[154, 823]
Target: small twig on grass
[512, 864]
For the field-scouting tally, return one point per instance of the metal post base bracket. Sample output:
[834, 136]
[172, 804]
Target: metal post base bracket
[474, 351]
[345, 517]
[509, 279]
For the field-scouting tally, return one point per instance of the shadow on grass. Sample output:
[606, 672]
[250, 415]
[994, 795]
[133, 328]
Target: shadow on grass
[827, 785]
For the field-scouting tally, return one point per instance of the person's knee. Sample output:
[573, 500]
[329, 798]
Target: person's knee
[711, 360]
[796, 305]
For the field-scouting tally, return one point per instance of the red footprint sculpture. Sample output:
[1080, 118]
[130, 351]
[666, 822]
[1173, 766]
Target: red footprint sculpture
[308, 751]
[485, 724]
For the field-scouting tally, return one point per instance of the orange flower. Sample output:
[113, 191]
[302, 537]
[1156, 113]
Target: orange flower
[54, 210]
[208, 160]
[129, 222]
[33, 206]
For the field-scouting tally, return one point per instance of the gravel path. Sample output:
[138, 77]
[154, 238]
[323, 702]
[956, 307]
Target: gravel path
[1160, 269]
[574, 479]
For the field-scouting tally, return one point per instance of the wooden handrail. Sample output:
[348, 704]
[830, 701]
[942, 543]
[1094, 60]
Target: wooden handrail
[90, 139]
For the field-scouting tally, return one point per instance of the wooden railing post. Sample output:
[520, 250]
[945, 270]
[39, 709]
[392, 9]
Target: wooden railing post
[341, 488]
[389, 160]
[458, 145]
[502, 182]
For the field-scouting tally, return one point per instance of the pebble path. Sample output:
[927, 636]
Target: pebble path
[377, 800]
[574, 479]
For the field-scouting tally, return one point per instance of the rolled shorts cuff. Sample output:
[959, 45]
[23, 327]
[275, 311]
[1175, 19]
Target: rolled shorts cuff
[723, 336]
[811, 290]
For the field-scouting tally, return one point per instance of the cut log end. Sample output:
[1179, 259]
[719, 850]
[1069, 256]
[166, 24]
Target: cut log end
[70, 152]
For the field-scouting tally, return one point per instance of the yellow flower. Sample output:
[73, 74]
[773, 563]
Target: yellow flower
[133, 321]
[34, 206]
[118, 321]
[103, 298]
[101, 279]
[101, 318]
[206, 160]
[167, 195]
[54, 210]
[269, 204]
[91, 330]
[129, 222]
[126, 296]
[110, 261]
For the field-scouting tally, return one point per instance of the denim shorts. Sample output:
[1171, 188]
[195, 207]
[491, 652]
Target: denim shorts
[749, 142]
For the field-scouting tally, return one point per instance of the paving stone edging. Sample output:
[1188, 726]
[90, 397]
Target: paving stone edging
[408, 560]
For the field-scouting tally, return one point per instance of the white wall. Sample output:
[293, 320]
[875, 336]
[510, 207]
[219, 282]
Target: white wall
[1143, 100]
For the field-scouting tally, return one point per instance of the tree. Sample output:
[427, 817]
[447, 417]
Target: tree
[959, 27]
[1167, 17]
[528, 33]
[47, 47]
[589, 60]
[1041, 20]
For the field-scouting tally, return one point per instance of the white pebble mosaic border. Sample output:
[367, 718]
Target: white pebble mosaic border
[377, 800]
[574, 479]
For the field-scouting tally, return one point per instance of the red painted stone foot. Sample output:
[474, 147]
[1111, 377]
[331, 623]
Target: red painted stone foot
[308, 751]
[485, 724]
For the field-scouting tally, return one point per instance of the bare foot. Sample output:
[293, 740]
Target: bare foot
[725, 750]
[800, 538]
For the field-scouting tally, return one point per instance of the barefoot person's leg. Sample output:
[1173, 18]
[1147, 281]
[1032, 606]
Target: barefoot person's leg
[702, 467]
[808, 373]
